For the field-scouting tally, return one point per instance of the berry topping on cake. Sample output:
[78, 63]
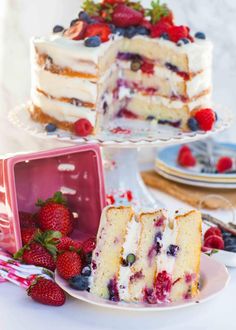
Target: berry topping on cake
[205, 118]
[158, 12]
[69, 264]
[58, 28]
[162, 286]
[79, 282]
[130, 32]
[76, 31]
[46, 292]
[165, 36]
[92, 41]
[101, 30]
[172, 250]
[177, 33]
[83, 16]
[124, 16]
[212, 231]
[182, 42]
[224, 164]
[159, 29]
[214, 242]
[50, 128]
[83, 127]
[147, 67]
[200, 35]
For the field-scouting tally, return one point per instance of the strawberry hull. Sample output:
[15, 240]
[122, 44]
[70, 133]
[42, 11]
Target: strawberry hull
[75, 171]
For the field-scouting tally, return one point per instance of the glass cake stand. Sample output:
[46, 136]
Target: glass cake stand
[120, 145]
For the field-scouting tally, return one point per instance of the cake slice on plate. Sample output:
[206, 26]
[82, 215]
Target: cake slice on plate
[146, 257]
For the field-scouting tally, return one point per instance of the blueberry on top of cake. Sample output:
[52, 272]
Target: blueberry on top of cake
[119, 59]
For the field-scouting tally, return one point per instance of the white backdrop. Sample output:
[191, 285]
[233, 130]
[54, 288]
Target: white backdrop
[21, 19]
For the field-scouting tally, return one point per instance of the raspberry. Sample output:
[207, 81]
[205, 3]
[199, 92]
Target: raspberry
[184, 148]
[224, 164]
[147, 68]
[83, 127]
[186, 159]
[212, 231]
[205, 118]
[214, 242]
[89, 245]
[159, 28]
[178, 32]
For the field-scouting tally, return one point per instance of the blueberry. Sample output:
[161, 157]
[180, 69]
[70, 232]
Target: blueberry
[79, 282]
[92, 41]
[151, 118]
[120, 31]
[172, 250]
[112, 28]
[182, 42]
[58, 28]
[171, 67]
[158, 236]
[141, 30]
[230, 241]
[226, 234]
[165, 36]
[135, 65]
[130, 259]
[230, 248]
[86, 271]
[83, 16]
[192, 124]
[130, 32]
[50, 128]
[74, 21]
[200, 35]
[158, 247]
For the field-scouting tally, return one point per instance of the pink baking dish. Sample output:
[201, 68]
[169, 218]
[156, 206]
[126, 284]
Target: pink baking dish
[76, 171]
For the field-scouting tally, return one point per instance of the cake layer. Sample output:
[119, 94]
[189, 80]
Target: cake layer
[62, 111]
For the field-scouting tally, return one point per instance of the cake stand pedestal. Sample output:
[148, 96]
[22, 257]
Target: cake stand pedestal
[120, 144]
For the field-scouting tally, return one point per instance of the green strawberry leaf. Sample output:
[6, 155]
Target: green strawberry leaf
[57, 198]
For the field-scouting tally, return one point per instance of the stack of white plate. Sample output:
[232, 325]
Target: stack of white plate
[167, 166]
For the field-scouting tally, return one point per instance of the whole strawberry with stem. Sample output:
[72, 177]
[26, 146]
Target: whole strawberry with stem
[55, 215]
[41, 251]
[46, 292]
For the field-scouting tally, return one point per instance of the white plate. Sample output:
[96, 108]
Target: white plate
[140, 134]
[196, 183]
[214, 278]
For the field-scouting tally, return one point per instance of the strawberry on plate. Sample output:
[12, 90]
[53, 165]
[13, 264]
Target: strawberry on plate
[224, 164]
[89, 245]
[46, 292]
[124, 16]
[101, 30]
[76, 31]
[55, 215]
[69, 264]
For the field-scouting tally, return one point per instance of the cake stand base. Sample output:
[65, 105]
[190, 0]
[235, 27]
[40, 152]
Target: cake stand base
[124, 185]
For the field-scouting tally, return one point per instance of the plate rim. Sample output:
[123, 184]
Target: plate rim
[99, 302]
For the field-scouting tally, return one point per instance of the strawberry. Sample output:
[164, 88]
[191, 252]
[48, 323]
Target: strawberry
[124, 16]
[168, 18]
[27, 220]
[159, 28]
[147, 68]
[178, 32]
[27, 235]
[76, 31]
[224, 164]
[46, 292]
[212, 231]
[214, 242]
[83, 127]
[89, 245]
[55, 215]
[186, 159]
[66, 243]
[36, 254]
[205, 118]
[98, 29]
[69, 264]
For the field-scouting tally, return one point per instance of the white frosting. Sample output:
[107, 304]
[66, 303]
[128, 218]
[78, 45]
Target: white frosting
[199, 83]
[62, 111]
[130, 246]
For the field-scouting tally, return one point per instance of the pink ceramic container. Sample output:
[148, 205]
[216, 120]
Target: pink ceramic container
[76, 171]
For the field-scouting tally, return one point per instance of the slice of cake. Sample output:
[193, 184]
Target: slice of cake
[104, 67]
[147, 257]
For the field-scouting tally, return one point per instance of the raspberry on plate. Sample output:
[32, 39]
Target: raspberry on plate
[205, 118]
[186, 159]
[83, 127]
[124, 16]
[214, 242]
[212, 231]
[224, 164]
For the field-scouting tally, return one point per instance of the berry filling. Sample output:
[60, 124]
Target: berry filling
[163, 284]
[136, 276]
[113, 290]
